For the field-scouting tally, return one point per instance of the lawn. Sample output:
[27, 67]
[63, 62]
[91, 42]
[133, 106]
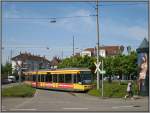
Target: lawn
[114, 89]
[22, 90]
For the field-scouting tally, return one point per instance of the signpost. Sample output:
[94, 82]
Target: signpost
[101, 72]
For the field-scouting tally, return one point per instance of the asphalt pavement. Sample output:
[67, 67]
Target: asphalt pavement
[47, 100]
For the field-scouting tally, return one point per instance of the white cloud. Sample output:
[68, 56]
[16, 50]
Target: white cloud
[11, 12]
[137, 32]
[84, 23]
[114, 30]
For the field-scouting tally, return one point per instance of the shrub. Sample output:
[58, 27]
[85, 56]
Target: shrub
[112, 90]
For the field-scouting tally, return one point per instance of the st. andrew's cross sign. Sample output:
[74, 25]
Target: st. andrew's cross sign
[98, 69]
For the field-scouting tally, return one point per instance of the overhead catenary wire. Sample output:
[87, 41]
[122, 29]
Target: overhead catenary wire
[79, 16]
[117, 4]
[121, 4]
[52, 17]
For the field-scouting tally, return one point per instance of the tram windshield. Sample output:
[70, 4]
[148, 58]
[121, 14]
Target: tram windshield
[86, 78]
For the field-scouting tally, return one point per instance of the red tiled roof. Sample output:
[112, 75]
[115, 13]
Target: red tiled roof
[55, 61]
[89, 49]
[29, 56]
[110, 50]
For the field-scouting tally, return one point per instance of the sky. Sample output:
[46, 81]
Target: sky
[26, 26]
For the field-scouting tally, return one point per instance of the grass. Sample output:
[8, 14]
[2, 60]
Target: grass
[114, 89]
[18, 91]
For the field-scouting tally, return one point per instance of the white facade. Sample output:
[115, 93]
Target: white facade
[28, 65]
[88, 53]
[102, 52]
[13, 66]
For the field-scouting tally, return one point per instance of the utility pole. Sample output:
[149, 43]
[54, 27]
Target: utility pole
[97, 22]
[102, 80]
[73, 46]
[10, 55]
[62, 53]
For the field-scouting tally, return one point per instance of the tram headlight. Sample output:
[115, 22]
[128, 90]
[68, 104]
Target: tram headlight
[80, 83]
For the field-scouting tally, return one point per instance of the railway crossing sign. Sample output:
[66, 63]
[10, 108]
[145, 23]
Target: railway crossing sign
[101, 72]
[97, 66]
[98, 69]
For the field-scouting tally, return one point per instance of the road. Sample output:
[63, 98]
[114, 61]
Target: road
[46, 100]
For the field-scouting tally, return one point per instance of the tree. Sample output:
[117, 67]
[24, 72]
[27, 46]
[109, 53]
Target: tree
[120, 65]
[6, 69]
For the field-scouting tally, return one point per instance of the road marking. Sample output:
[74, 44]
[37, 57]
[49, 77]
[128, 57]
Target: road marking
[115, 107]
[75, 108]
[23, 109]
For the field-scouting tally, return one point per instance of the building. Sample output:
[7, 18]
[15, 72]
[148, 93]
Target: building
[88, 51]
[30, 62]
[54, 62]
[111, 50]
[103, 51]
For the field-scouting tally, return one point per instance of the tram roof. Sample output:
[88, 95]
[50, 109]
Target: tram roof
[59, 71]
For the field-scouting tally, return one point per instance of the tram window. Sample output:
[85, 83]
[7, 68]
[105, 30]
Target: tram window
[78, 78]
[48, 77]
[61, 78]
[54, 78]
[86, 76]
[68, 78]
[34, 77]
[75, 78]
[39, 78]
[42, 78]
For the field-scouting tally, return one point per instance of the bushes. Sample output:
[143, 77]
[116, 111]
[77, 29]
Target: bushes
[18, 91]
[113, 89]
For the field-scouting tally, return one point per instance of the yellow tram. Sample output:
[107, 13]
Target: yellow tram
[60, 79]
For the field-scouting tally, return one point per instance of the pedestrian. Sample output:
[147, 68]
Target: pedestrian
[129, 90]
[143, 71]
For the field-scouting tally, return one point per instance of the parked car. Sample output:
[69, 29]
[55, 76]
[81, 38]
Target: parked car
[6, 81]
[12, 79]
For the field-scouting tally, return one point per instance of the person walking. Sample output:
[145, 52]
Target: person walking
[143, 71]
[129, 90]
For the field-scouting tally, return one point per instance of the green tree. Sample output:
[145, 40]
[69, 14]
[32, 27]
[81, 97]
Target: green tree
[6, 69]
[122, 65]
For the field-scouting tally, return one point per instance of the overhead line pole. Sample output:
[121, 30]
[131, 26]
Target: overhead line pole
[73, 46]
[97, 22]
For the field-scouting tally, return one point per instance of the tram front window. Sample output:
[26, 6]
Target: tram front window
[86, 78]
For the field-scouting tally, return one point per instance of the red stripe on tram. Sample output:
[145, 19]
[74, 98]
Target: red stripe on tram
[33, 84]
[63, 85]
[49, 85]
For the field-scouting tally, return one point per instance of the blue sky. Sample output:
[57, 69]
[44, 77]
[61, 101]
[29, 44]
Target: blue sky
[122, 24]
